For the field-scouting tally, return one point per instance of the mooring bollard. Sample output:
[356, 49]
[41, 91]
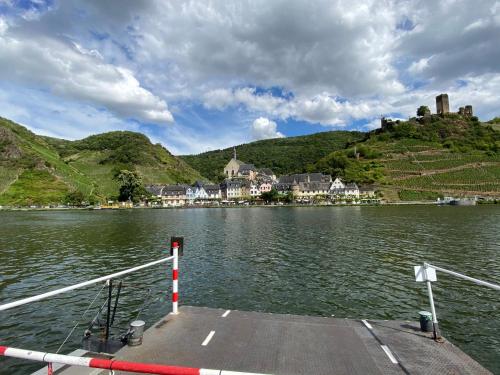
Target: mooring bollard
[136, 332]
[175, 278]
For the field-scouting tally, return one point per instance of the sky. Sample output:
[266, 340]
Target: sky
[205, 75]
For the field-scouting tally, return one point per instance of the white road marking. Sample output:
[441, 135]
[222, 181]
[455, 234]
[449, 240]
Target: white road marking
[389, 354]
[368, 325]
[226, 313]
[209, 337]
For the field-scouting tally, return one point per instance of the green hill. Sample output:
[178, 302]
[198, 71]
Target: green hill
[282, 155]
[419, 159]
[409, 160]
[36, 170]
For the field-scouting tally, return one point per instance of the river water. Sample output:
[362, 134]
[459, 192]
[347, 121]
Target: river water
[354, 262]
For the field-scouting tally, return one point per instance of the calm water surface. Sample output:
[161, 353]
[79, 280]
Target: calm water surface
[345, 261]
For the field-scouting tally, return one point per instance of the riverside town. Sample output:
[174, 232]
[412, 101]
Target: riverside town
[246, 184]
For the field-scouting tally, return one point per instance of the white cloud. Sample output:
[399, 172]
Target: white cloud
[73, 72]
[334, 63]
[46, 114]
[323, 108]
[419, 66]
[3, 26]
[263, 128]
[372, 125]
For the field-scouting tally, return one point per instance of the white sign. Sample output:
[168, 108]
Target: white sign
[425, 274]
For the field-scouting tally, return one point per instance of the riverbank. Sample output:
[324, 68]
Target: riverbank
[98, 208]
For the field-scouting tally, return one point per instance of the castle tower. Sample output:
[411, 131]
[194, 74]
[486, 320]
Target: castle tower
[468, 110]
[442, 104]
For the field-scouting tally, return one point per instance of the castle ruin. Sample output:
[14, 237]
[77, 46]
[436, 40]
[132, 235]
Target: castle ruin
[442, 104]
[443, 107]
[465, 111]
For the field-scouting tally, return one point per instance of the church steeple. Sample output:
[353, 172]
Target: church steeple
[234, 150]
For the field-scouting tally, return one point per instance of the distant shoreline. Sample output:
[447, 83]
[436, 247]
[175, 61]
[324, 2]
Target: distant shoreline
[409, 203]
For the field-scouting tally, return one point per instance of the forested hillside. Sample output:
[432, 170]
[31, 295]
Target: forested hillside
[282, 155]
[36, 170]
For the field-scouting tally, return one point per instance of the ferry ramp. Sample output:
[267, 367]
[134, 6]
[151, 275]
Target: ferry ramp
[279, 344]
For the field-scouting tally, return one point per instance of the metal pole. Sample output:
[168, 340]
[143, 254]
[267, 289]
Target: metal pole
[116, 303]
[465, 277]
[108, 315]
[435, 324]
[175, 279]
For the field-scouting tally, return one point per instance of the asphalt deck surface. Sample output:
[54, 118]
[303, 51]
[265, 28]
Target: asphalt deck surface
[292, 345]
[295, 345]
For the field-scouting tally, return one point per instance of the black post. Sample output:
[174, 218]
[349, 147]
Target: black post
[116, 303]
[108, 316]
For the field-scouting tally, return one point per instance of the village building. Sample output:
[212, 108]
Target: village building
[190, 195]
[235, 169]
[266, 174]
[174, 195]
[351, 190]
[247, 171]
[339, 189]
[367, 192]
[199, 191]
[254, 190]
[305, 177]
[232, 167]
[213, 192]
[245, 188]
[282, 188]
[231, 189]
[155, 190]
[265, 187]
[313, 189]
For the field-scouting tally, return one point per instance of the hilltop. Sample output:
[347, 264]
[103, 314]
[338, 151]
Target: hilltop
[43, 170]
[422, 158]
[282, 155]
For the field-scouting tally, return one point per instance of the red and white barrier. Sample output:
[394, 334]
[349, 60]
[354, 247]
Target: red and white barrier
[175, 278]
[111, 364]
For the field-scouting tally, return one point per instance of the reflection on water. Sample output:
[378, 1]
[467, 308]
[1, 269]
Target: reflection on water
[347, 261]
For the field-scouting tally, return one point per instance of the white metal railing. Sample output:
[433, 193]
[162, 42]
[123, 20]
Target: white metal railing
[427, 273]
[465, 277]
[128, 366]
[39, 297]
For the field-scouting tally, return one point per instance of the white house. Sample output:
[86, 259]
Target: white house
[254, 190]
[174, 195]
[231, 189]
[213, 192]
[337, 184]
[199, 191]
[339, 188]
[190, 195]
[351, 190]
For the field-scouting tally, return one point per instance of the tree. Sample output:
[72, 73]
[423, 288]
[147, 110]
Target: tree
[289, 197]
[131, 185]
[74, 198]
[270, 196]
[423, 110]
